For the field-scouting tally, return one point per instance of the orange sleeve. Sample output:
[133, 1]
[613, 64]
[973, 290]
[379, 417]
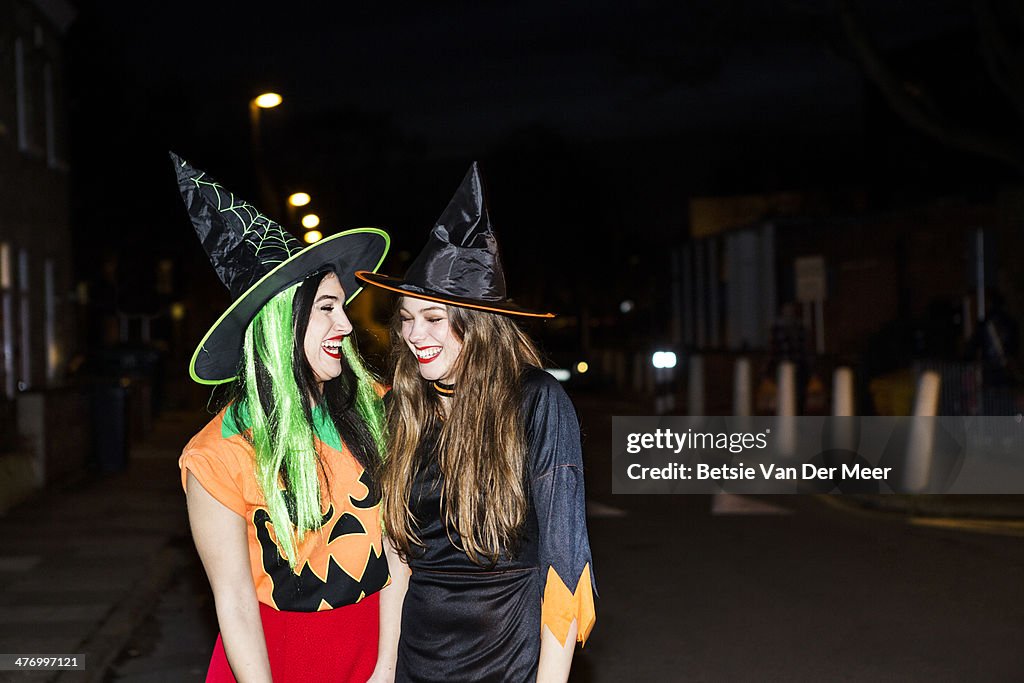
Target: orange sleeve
[218, 472]
[561, 606]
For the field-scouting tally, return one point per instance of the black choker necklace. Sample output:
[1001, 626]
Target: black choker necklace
[443, 389]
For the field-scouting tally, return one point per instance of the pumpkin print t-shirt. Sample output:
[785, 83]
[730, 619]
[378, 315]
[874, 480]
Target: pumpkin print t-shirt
[338, 564]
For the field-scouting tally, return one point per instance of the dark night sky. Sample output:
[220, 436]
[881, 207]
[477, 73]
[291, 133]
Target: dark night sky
[465, 74]
[595, 122]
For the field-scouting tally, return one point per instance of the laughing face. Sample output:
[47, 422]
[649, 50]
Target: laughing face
[427, 331]
[328, 325]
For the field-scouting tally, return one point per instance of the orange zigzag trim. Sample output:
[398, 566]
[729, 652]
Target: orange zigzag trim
[560, 607]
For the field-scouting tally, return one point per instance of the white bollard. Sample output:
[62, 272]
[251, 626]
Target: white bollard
[785, 425]
[926, 400]
[921, 439]
[741, 399]
[695, 386]
[842, 393]
[843, 434]
[786, 382]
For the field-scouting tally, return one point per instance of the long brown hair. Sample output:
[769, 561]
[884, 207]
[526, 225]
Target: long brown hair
[482, 448]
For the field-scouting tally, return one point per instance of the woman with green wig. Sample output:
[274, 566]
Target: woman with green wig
[283, 484]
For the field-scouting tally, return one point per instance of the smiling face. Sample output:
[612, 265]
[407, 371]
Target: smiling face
[427, 331]
[328, 325]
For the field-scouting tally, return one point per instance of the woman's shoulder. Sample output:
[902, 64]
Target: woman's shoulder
[550, 422]
[224, 434]
[539, 386]
[535, 378]
[222, 461]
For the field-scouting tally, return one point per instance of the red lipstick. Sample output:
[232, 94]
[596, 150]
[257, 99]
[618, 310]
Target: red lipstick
[424, 361]
[333, 351]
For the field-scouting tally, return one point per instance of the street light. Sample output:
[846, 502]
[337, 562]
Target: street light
[312, 236]
[310, 220]
[295, 200]
[267, 100]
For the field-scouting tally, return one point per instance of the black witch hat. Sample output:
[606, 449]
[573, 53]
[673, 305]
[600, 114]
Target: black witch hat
[256, 259]
[460, 265]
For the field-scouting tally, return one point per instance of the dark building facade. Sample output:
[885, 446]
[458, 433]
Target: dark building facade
[36, 310]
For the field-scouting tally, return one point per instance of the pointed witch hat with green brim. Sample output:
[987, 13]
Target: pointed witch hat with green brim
[256, 259]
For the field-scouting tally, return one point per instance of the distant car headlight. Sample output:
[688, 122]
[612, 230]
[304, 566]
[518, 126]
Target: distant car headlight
[664, 359]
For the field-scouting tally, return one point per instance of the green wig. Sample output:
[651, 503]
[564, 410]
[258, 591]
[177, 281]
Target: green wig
[368, 401]
[288, 465]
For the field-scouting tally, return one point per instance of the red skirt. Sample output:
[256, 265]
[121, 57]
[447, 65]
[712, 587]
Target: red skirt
[335, 645]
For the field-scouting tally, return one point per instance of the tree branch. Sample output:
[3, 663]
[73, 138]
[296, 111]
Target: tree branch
[1004, 62]
[914, 107]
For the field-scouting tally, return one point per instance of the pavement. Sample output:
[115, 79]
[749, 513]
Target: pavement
[104, 564]
[85, 560]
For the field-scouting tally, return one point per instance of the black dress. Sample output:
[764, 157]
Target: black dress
[463, 622]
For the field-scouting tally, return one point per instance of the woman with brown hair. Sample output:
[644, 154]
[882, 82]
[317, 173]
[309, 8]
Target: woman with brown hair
[483, 488]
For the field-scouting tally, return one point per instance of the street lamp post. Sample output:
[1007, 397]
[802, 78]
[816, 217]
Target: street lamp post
[267, 100]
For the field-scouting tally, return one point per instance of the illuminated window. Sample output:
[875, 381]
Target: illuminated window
[25, 381]
[53, 353]
[6, 322]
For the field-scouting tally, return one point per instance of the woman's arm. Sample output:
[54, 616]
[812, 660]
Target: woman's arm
[555, 658]
[219, 535]
[391, 599]
[556, 458]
